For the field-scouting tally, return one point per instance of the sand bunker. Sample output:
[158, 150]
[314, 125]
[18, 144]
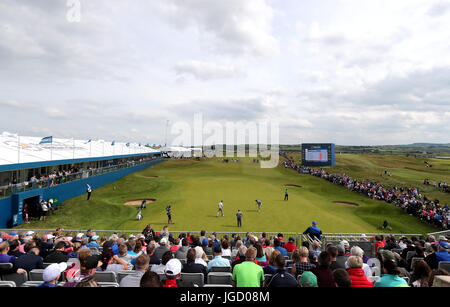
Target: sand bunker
[293, 185]
[138, 202]
[345, 203]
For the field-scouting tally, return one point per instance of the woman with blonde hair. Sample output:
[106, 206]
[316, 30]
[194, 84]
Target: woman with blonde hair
[200, 256]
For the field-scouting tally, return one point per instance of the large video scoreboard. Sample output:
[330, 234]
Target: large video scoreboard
[318, 154]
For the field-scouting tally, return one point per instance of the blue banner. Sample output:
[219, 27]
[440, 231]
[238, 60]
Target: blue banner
[48, 139]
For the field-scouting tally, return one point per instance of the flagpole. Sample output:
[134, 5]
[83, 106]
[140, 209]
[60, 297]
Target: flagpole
[18, 148]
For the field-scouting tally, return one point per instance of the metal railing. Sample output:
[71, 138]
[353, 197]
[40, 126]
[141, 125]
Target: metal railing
[299, 237]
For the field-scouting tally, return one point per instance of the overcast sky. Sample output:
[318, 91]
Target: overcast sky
[358, 72]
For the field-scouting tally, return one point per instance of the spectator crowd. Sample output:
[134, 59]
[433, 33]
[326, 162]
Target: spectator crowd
[410, 200]
[155, 259]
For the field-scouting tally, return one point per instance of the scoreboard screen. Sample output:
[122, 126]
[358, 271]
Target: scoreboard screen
[318, 154]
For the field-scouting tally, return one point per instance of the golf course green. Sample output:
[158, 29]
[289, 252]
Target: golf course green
[194, 188]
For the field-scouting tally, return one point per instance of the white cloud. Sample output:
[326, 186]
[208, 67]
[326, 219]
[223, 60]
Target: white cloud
[207, 71]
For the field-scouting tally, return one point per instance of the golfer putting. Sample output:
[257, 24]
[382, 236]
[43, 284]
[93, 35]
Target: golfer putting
[259, 203]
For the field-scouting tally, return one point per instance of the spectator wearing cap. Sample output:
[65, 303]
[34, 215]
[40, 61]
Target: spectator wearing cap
[172, 272]
[248, 273]
[30, 260]
[290, 245]
[313, 231]
[282, 279]
[88, 267]
[160, 267]
[346, 246]
[308, 280]
[356, 273]
[218, 260]
[133, 280]
[278, 247]
[58, 255]
[443, 252]
[162, 248]
[93, 242]
[341, 278]
[323, 271]
[192, 267]
[51, 274]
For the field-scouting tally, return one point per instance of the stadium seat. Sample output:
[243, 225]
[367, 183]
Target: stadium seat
[9, 283]
[122, 274]
[227, 257]
[105, 276]
[192, 279]
[267, 277]
[183, 261]
[31, 283]
[409, 255]
[226, 269]
[36, 275]
[45, 264]
[105, 284]
[210, 257]
[445, 265]
[220, 278]
[5, 267]
[19, 279]
[218, 286]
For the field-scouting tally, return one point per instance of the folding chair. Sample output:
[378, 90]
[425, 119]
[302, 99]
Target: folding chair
[7, 283]
[192, 279]
[19, 279]
[36, 275]
[108, 276]
[220, 278]
[122, 274]
[444, 265]
[105, 284]
[226, 269]
[32, 283]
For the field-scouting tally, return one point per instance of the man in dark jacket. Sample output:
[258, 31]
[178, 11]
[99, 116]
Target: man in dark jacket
[58, 255]
[30, 260]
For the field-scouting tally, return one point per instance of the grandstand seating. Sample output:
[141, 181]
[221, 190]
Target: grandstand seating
[105, 276]
[219, 278]
[192, 279]
[226, 269]
[445, 265]
[5, 284]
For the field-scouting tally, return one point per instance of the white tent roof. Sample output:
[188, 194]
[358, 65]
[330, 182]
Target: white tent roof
[23, 149]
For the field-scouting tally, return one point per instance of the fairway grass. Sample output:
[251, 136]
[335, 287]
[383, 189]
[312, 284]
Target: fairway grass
[194, 189]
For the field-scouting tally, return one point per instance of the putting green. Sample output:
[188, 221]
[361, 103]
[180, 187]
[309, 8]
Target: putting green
[194, 189]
